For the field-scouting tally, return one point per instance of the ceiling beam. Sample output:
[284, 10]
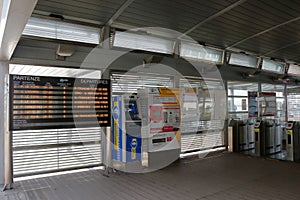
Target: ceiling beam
[119, 12]
[18, 15]
[264, 31]
[221, 12]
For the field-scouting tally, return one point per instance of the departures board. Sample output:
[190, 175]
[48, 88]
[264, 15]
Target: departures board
[38, 102]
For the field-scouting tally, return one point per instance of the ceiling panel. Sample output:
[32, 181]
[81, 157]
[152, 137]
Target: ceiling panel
[248, 19]
[243, 27]
[96, 10]
[274, 40]
[177, 15]
[291, 53]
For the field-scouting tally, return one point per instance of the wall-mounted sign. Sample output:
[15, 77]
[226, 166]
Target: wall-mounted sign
[252, 104]
[267, 104]
[38, 102]
[244, 104]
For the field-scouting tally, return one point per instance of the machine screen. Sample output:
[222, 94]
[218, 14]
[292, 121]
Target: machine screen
[289, 139]
[159, 140]
[133, 107]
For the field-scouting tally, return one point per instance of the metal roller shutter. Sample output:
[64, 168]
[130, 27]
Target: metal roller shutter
[201, 134]
[209, 134]
[131, 82]
[42, 151]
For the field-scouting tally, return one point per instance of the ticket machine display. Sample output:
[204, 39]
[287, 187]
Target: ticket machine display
[161, 120]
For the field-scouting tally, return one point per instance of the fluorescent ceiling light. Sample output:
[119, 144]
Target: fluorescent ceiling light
[198, 52]
[273, 66]
[243, 60]
[294, 70]
[62, 31]
[143, 42]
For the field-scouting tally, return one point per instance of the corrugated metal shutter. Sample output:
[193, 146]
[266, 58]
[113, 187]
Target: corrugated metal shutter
[203, 138]
[130, 82]
[204, 134]
[42, 151]
[201, 134]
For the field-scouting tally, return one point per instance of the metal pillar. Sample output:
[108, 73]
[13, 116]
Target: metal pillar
[6, 172]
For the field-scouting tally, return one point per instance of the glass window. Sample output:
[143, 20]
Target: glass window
[238, 98]
[237, 104]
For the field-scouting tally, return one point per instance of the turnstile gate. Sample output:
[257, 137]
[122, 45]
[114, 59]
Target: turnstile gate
[293, 141]
[278, 136]
[259, 138]
[243, 136]
[268, 139]
[269, 125]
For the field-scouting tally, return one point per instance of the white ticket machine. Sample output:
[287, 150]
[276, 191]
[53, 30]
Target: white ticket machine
[160, 114]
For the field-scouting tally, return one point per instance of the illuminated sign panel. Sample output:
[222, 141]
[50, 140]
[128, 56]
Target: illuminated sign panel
[38, 102]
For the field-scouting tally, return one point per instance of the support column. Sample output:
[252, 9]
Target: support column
[3, 114]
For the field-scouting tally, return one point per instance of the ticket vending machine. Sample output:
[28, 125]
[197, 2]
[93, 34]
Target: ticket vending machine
[161, 121]
[293, 141]
[126, 134]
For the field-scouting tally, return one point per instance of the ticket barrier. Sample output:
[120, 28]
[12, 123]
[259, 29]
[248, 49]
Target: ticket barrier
[250, 134]
[293, 141]
[259, 138]
[278, 136]
[269, 137]
[243, 136]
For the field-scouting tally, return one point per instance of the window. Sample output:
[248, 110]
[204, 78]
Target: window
[143, 42]
[62, 31]
[238, 98]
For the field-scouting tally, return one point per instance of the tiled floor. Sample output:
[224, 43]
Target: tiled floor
[226, 176]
